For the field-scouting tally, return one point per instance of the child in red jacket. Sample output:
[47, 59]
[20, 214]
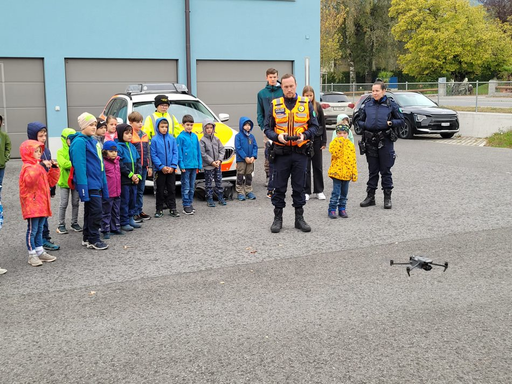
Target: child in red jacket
[35, 198]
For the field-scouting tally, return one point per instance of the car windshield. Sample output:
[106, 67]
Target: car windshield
[178, 108]
[334, 98]
[413, 100]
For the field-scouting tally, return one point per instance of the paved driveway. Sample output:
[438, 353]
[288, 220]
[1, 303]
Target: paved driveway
[217, 298]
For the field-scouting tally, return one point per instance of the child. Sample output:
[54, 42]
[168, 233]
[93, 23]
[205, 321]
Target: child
[190, 162]
[101, 130]
[37, 131]
[35, 198]
[130, 175]
[343, 169]
[343, 119]
[5, 153]
[212, 153]
[111, 134]
[141, 142]
[162, 104]
[65, 191]
[111, 221]
[164, 154]
[89, 179]
[246, 153]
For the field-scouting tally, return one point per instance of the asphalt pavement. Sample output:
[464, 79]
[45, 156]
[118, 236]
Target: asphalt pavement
[216, 298]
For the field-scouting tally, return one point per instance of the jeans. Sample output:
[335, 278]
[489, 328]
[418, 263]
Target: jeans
[92, 217]
[34, 236]
[2, 172]
[64, 201]
[128, 196]
[188, 186]
[139, 200]
[339, 194]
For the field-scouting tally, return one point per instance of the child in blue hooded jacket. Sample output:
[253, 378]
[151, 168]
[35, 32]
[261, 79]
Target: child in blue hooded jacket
[246, 153]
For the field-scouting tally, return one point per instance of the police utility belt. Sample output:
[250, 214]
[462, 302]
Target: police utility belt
[374, 140]
[284, 150]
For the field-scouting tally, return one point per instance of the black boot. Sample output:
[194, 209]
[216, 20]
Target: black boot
[278, 220]
[300, 223]
[387, 199]
[370, 198]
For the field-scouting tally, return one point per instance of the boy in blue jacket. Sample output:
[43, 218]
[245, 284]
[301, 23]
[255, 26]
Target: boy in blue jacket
[164, 155]
[246, 153]
[190, 162]
[89, 178]
[129, 161]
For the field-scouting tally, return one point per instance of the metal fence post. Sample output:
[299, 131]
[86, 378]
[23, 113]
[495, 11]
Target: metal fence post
[476, 99]
[406, 85]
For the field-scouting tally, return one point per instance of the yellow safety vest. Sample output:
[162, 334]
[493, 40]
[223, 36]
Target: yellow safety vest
[291, 123]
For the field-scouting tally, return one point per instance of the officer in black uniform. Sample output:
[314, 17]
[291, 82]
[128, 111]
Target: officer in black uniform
[290, 116]
[380, 118]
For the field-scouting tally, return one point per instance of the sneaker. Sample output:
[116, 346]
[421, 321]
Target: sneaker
[85, 243]
[106, 235]
[144, 216]
[49, 246]
[46, 257]
[61, 229]
[307, 196]
[117, 232]
[332, 215]
[241, 197]
[174, 213]
[2, 271]
[210, 203]
[137, 219]
[343, 213]
[76, 227]
[34, 261]
[251, 196]
[127, 228]
[221, 200]
[193, 209]
[100, 246]
[188, 211]
[134, 224]
[159, 214]
[320, 196]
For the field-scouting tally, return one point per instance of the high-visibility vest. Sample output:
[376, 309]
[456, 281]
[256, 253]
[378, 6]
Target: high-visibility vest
[291, 123]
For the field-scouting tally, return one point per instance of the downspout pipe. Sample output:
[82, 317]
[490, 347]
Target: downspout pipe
[187, 45]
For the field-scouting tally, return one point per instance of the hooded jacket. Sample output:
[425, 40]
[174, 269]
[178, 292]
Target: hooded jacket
[189, 151]
[63, 158]
[343, 160]
[164, 150]
[141, 143]
[128, 157]
[35, 182]
[5, 148]
[32, 130]
[113, 175]
[89, 170]
[245, 142]
[211, 147]
[265, 97]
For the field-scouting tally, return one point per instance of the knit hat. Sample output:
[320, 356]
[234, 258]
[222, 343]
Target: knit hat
[161, 99]
[341, 117]
[85, 119]
[110, 146]
[101, 122]
[342, 128]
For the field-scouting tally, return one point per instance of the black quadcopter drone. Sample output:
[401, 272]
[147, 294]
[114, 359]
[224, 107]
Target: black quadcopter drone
[419, 262]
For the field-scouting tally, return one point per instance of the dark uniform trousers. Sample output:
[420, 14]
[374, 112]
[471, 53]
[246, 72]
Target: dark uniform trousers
[294, 164]
[381, 164]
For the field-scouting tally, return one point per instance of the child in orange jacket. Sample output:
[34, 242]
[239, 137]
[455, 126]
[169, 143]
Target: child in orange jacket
[35, 198]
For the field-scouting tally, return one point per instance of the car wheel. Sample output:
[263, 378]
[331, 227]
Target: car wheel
[447, 135]
[405, 131]
[357, 129]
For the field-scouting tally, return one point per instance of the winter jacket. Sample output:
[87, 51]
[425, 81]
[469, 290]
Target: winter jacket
[99, 139]
[164, 150]
[35, 182]
[376, 114]
[174, 126]
[321, 134]
[265, 97]
[189, 151]
[245, 142]
[113, 175]
[211, 147]
[128, 158]
[32, 130]
[141, 142]
[87, 161]
[343, 160]
[63, 158]
[5, 149]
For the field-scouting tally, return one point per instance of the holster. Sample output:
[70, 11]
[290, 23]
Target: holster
[362, 147]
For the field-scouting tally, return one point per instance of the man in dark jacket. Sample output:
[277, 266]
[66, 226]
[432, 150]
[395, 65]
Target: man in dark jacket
[380, 117]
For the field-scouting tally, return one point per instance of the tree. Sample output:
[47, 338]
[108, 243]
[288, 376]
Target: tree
[502, 9]
[449, 37]
[332, 17]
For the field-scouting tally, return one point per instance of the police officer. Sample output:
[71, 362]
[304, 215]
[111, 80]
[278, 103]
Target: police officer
[290, 116]
[379, 119]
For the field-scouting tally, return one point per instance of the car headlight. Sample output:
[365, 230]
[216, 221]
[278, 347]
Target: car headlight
[420, 118]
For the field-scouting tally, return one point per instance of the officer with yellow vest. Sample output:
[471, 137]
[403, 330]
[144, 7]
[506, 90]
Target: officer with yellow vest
[162, 105]
[290, 116]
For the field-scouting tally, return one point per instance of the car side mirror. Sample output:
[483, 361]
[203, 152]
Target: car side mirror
[223, 117]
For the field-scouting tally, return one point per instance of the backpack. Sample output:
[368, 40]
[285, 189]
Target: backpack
[228, 187]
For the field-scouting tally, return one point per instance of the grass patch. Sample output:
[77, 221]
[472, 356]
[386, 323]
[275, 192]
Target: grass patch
[500, 140]
[480, 109]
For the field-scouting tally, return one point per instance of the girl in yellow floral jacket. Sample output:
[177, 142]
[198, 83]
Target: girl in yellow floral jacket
[343, 169]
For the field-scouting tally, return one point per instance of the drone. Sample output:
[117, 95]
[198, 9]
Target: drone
[419, 262]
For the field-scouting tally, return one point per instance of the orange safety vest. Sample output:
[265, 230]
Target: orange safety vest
[291, 123]
[137, 139]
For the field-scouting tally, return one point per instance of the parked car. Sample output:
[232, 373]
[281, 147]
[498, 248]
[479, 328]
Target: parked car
[140, 98]
[422, 115]
[334, 103]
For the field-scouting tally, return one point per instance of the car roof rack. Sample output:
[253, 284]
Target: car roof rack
[156, 87]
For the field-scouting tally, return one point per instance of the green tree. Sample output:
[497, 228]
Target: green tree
[332, 17]
[449, 38]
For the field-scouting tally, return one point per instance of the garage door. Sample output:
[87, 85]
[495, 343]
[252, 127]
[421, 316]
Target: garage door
[232, 87]
[22, 97]
[91, 82]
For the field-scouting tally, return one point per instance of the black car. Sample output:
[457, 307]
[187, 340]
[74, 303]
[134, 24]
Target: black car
[422, 115]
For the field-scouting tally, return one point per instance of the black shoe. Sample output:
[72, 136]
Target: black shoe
[300, 223]
[159, 214]
[174, 213]
[387, 199]
[137, 219]
[278, 220]
[100, 246]
[370, 198]
[188, 211]
[143, 216]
